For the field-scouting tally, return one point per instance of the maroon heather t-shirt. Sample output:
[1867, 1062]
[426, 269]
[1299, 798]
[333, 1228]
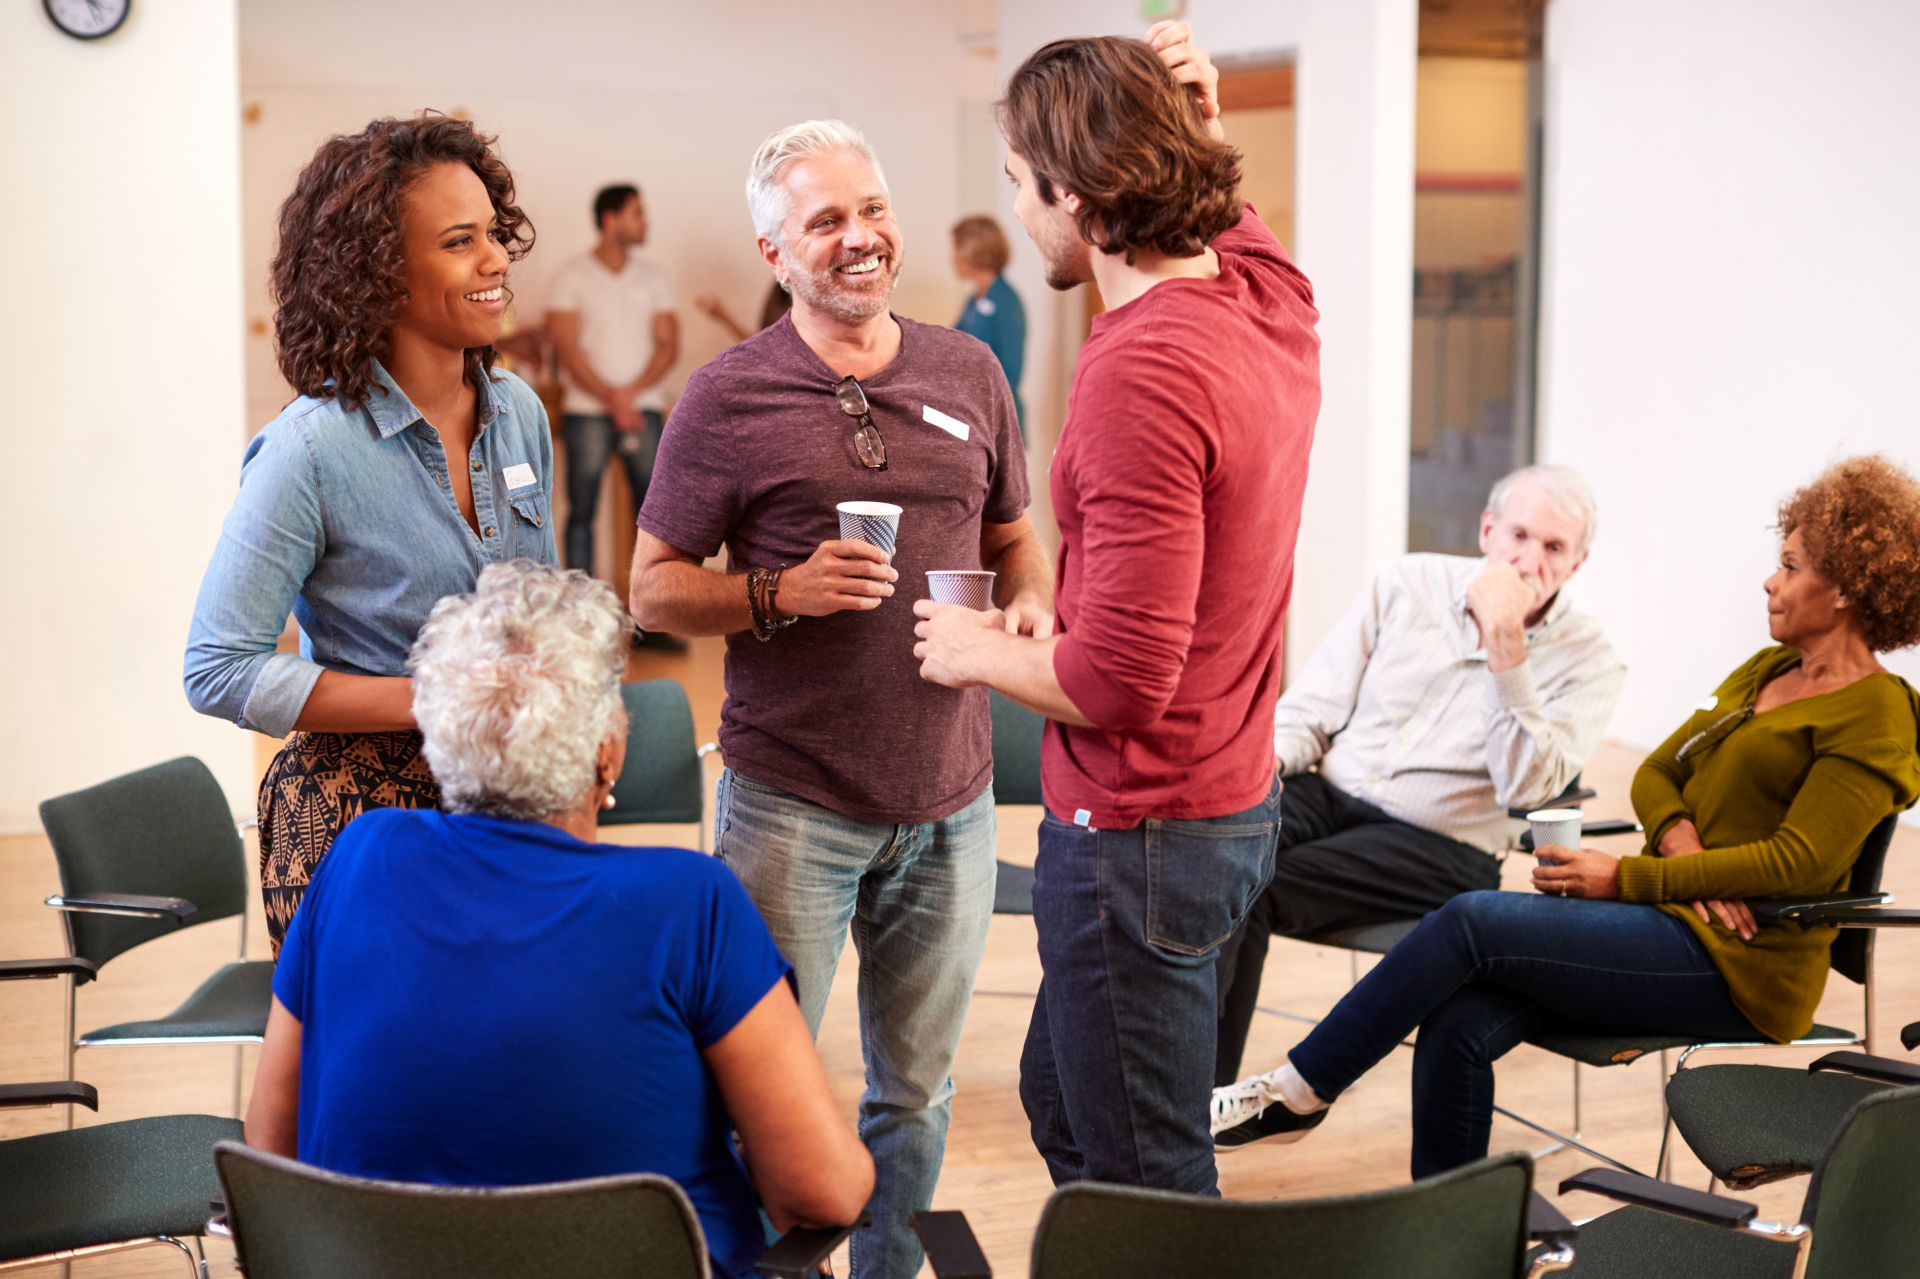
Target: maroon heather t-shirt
[1177, 483]
[755, 457]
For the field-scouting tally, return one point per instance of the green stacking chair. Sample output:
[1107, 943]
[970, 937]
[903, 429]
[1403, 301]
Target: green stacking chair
[1016, 780]
[1468, 1223]
[142, 856]
[1858, 1221]
[87, 1192]
[661, 781]
[1751, 1125]
[292, 1221]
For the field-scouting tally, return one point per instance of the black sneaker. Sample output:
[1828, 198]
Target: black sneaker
[1273, 1123]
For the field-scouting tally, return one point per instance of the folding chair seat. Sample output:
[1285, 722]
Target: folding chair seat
[1857, 1220]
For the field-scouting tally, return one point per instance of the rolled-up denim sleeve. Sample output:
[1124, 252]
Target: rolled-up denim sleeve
[268, 547]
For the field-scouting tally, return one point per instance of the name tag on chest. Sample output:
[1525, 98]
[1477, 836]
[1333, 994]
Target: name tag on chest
[951, 425]
[518, 476]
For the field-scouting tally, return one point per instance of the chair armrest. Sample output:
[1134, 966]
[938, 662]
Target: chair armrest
[1546, 1222]
[1565, 799]
[1883, 1070]
[58, 1092]
[799, 1254]
[138, 905]
[1843, 910]
[711, 748]
[1592, 830]
[951, 1246]
[81, 970]
[1712, 1210]
[1910, 1036]
[1867, 917]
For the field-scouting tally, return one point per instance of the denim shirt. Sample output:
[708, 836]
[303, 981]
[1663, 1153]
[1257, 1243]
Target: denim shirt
[347, 519]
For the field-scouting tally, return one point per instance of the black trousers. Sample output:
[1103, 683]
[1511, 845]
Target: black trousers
[1342, 863]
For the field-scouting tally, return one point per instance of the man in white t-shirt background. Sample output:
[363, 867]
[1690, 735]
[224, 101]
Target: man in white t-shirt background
[613, 326]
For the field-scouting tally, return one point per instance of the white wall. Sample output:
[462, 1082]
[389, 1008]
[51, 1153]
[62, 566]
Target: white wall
[1353, 219]
[123, 337]
[1731, 281]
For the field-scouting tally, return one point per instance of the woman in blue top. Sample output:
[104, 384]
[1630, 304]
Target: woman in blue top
[406, 463]
[993, 313]
[486, 997]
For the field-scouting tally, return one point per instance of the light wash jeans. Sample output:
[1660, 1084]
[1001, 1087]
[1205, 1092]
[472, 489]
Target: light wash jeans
[918, 898]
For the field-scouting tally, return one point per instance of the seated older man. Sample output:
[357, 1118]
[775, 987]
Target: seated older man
[484, 996]
[1453, 690]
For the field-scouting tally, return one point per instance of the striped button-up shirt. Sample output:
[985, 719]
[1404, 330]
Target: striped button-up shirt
[1398, 708]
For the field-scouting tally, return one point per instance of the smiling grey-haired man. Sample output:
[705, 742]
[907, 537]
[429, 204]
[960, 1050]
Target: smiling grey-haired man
[856, 795]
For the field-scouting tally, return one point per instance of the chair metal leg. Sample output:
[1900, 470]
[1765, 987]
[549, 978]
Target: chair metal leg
[1867, 1019]
[239, 1066]
[72, 1035]
[1577, 1121]
[1565, 1142]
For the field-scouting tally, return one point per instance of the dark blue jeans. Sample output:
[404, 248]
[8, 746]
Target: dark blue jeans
[1118, 1064]
[1486, 970]
[591, 440]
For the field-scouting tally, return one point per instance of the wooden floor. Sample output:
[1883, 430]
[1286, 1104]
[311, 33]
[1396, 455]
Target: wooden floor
[991, 1169]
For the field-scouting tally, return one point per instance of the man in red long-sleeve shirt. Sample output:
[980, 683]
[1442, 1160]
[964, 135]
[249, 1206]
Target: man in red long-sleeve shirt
[1177, 484]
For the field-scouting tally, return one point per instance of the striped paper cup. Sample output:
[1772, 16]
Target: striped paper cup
[970, 588]
[875, 523]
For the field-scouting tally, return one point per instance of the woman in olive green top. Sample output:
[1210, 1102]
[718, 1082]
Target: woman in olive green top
[1768, 792]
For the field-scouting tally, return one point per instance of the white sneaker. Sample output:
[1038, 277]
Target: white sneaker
[1234, 1104]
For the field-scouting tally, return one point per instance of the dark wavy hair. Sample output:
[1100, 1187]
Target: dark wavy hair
[1102, 118]
[1860, 521]
[336, 276]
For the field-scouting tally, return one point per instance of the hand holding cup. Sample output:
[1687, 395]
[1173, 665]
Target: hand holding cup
[840, 575]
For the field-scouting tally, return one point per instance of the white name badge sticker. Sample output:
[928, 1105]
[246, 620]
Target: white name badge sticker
[518, 476]
[1707, 703]
[951, 425]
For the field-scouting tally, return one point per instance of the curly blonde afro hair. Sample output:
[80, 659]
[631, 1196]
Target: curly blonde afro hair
[1860, 522]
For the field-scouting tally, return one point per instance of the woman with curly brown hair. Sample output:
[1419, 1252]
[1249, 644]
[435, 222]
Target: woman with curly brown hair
[1768, 790]
[406, 465]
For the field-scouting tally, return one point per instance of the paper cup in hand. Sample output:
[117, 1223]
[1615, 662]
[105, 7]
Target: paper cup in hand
[875, 523]
[1555, 826]
[969, 588]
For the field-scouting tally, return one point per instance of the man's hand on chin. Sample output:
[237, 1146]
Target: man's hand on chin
[1500, 599]
[955, 642]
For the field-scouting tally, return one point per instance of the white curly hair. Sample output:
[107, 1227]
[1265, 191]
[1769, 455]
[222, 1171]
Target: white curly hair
[516, 685]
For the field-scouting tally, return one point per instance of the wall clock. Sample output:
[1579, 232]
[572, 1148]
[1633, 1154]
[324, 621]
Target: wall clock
[87, 19]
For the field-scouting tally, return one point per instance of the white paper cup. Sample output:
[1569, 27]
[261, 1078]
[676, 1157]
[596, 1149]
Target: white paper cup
[970, 588]
[1555, 826]
[875, 523]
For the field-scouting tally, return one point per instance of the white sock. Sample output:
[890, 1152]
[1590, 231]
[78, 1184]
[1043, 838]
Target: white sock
[1292, 1091]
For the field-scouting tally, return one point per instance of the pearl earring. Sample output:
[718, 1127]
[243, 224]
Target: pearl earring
[608, 802]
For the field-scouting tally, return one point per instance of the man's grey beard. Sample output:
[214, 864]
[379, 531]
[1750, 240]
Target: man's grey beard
[817, 290]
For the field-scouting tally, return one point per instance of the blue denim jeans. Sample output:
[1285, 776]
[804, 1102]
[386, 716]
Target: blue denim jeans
[591, 440]
[1118, 1063]
[918, 899]
[1488, 969]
